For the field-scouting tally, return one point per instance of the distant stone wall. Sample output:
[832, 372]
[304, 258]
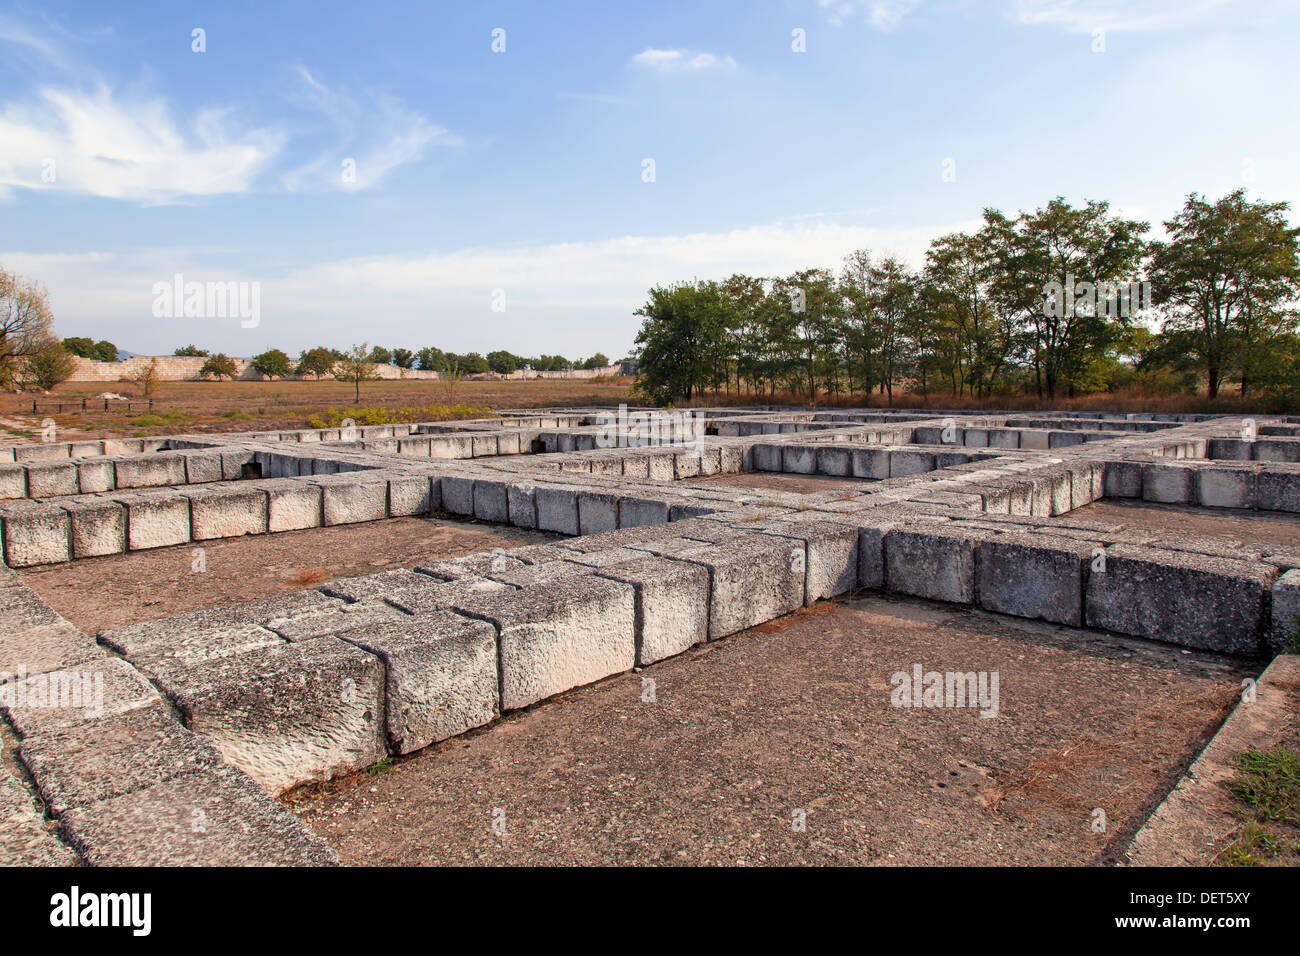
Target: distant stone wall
[177, 368]
[579, 373]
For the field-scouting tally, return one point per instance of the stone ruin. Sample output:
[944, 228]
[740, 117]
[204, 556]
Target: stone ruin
[166, 742]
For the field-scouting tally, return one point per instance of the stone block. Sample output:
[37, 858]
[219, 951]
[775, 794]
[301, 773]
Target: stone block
[350, 500]
[34, 532]
[932, 562]
[441, 676]
[1225, 487]
[226, 511]
[1179, 597]
[155, 519]
[288, 714]
[97, 526]
[50, 479]
[557, 636]
[753, 579]
[557, 509]
[1035, 576]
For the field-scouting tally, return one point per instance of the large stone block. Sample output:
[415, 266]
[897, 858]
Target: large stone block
[904, 462]
[1034, 576]
[292, 505]
[672, 603]
[98, 526]
[491, 501]
[830, 555]
[871, 463]
[13, 482]
[83, 692]
[597, 512]
[95, 475]
[350, 500]
[441, 676]
[34, 532]
[557, 509]
[1225, 487]
[155, 519]
[557, 636]
[1278, 491]
[641, 512]
[208, 816]
[288, 714]
[1181, 598]
[151, 471]
[1284, 625]
[409, 495]
[49, 479]
[1169, 483]
[932, 562]
[753, 579]
[521, 500]
[226, 512]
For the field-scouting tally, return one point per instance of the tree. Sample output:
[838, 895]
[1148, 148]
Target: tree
[473, 364]
[318, 361]
[431, 359]
[380, 356]
[503, 363]
[356, 367]
[403, 358]
[147, 378]
[599, 360]
[683, 329]
[192, 351]
[48, 365]
[1061, 247]
[273, 363]
[25, 323]
[105, 351]
[1226, 282]
[219, 365]
[449, 376]
[81, 346]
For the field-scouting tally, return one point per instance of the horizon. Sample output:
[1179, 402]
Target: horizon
[510, 186]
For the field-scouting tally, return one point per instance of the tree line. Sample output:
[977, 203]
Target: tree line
[1057, 302]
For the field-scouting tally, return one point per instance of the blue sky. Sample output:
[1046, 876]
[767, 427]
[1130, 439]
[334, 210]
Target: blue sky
[515, 179]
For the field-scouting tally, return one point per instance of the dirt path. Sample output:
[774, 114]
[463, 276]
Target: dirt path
[794, 716]
[101, 593]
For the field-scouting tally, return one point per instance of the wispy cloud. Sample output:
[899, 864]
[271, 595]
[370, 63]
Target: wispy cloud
[1084, 16]
[882, 15]
[681, 61]
[94, 143]
[374, 137]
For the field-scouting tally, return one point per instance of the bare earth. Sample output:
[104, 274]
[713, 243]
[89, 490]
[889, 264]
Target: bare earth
[796, 715]
[102, 593]
[1252, 527]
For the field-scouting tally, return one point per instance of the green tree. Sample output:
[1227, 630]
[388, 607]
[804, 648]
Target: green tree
[26, 323]
[81, 346]
[356, 366]
[316, 362]
[218, 366]
[403, 358]
[381, 356]
[599, 360]
[503, 363]
[1226, 282]
[192, 351]
[682, 329]
[48, 364]
[1060, 247]
[273, 363]
[431, 359]
[105, 351]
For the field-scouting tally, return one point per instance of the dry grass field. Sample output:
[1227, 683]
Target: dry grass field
[258, 406]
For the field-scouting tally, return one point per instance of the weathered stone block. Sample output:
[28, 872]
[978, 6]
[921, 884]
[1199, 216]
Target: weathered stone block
[288, 714]
[1284, 626]
[557, 509]
[348, 501]
[292, 505]
[1225, 487]
[98, 526]
[753, 579]
[1181, 598]
[441, 676]
[932, 563]
[49, 479]
[1168, 483]
[554, 637]
[1034, 576]
[226, 512]
[155, 519]
[34, 533]
[830, 555]
[152, 471]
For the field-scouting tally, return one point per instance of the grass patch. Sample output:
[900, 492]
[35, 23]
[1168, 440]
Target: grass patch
[382, 415]
[150, 420]
[1267, 787]
[379, 766]
[236, 416]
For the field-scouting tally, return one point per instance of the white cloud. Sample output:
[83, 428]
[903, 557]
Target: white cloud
[1084, 16]
[567, 297]
[95, 144]
[376, 137]
[883, 15]
[681, 61]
